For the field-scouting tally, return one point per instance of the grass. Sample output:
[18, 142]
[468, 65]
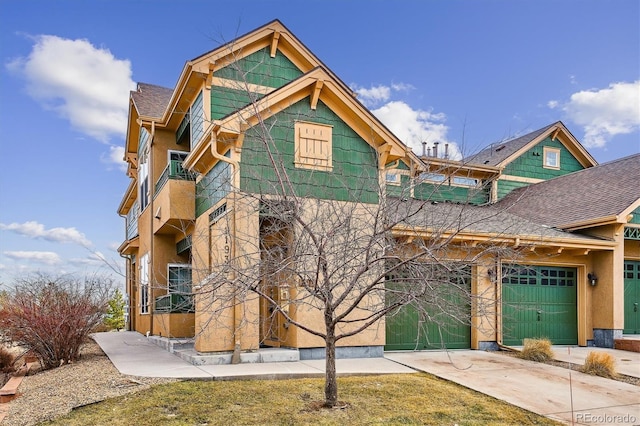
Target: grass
[537, 350]
[372, 400]
[600, 364]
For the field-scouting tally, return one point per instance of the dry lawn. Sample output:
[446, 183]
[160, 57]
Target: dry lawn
[371, 400]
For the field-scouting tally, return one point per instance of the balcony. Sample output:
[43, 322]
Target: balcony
[175, 315]
[175, 303]
[174, 200]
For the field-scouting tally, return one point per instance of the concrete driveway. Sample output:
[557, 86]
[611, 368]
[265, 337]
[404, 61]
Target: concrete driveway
[554, 392]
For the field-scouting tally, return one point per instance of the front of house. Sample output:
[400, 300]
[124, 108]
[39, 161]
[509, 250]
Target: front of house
[262, 118]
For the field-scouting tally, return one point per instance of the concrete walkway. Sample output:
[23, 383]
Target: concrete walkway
[540, 388]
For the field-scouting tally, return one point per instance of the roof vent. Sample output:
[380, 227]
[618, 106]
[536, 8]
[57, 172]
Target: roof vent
[500, 148]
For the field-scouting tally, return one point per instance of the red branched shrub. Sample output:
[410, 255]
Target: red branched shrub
[52, 317]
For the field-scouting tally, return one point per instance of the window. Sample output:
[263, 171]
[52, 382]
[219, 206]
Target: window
[551, 158]
[144, 283]
[393, 178]
[464, 181]
[179, 278]
[433, 177]
[313, 146]
[143, 168]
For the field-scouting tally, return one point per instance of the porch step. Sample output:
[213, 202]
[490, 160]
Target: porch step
[260, 356]
[184, 349]
[631, 344]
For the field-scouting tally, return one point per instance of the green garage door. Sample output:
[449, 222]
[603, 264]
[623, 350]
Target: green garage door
[445, 325]
[539, 302]
[631, 297]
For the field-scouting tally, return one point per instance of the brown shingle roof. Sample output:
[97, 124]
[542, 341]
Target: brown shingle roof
[497, 152]
[151, 100]
[587, 195]
[465, 218]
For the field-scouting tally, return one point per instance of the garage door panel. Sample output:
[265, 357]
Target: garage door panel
[539, 302]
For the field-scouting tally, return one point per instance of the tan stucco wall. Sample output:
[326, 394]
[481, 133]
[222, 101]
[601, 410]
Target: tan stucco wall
[174, 325]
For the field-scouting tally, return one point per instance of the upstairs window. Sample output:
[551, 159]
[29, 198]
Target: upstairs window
[464, 181]
[551, 158]
[393, 178]
[313, 145]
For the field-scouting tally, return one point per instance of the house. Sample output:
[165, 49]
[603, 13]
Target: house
[207, 157]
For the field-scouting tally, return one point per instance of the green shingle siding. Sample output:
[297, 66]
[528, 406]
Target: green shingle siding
[261, 69]
[213, 186]
[636, 216]
[354, 176]
[443, 192]
[530, 165]
[225, 101]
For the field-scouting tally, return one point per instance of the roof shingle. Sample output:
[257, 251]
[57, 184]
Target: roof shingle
[151, 100]
[587, 195]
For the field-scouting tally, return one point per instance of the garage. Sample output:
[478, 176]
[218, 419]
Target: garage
[631, 297]
[539, 302]
[445, 324]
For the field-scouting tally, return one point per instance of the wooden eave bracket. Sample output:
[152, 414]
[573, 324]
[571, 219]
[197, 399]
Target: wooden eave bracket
[274, 43]
[554, 135]
[315, 96]
[131, 158]
[383, 153]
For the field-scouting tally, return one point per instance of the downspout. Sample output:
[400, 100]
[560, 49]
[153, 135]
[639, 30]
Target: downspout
[237, 309]
[152, 190]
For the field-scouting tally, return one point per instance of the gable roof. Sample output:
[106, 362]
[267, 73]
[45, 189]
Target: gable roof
[317, 84]
[500, 154]
[151, 100]
[607, 193]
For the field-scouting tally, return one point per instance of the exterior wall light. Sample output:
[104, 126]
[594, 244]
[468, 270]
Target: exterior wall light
[593, 279]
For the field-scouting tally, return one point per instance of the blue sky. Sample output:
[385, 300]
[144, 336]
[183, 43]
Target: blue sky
[465, 72]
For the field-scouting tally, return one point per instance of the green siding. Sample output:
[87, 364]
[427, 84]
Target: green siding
[530, 165]
[506, 186]
[225, 101]
[354, 176]
[636, 216]
[261, 69]
[213, 186]
[443, 192]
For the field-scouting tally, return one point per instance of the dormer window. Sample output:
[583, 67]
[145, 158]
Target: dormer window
[551, 158]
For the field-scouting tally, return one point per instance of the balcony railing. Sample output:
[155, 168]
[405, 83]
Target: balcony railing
[175, 303]
[174, 170]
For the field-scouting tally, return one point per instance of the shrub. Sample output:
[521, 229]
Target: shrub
[52, 317]
[600, 364]
[7, 361]
[537, 350]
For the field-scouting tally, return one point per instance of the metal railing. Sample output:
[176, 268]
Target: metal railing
[175, 303]
[174, 170]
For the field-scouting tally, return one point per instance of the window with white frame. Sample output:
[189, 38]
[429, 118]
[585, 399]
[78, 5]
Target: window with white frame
[464, 181]
[144, 283]
[313, 145]
[551, 157]
[432, 177]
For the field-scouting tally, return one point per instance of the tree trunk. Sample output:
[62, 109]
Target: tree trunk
[330, 378]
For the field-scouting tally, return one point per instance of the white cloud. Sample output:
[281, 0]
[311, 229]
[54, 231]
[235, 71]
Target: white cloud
[34, 229]
[416, 126]
[46, 257]
[84, 84]
[115, 157]
[604, 113]
[373, 95]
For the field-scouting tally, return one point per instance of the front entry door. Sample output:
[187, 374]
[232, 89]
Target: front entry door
[631, 297]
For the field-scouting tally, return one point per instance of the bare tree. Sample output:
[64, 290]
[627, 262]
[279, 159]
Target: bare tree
[331, 256]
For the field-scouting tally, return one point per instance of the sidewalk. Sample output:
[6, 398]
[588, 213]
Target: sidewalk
[131, 353]
[554, 392]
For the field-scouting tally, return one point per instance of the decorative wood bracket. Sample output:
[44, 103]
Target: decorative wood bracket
[274, 43]
[316, 94]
